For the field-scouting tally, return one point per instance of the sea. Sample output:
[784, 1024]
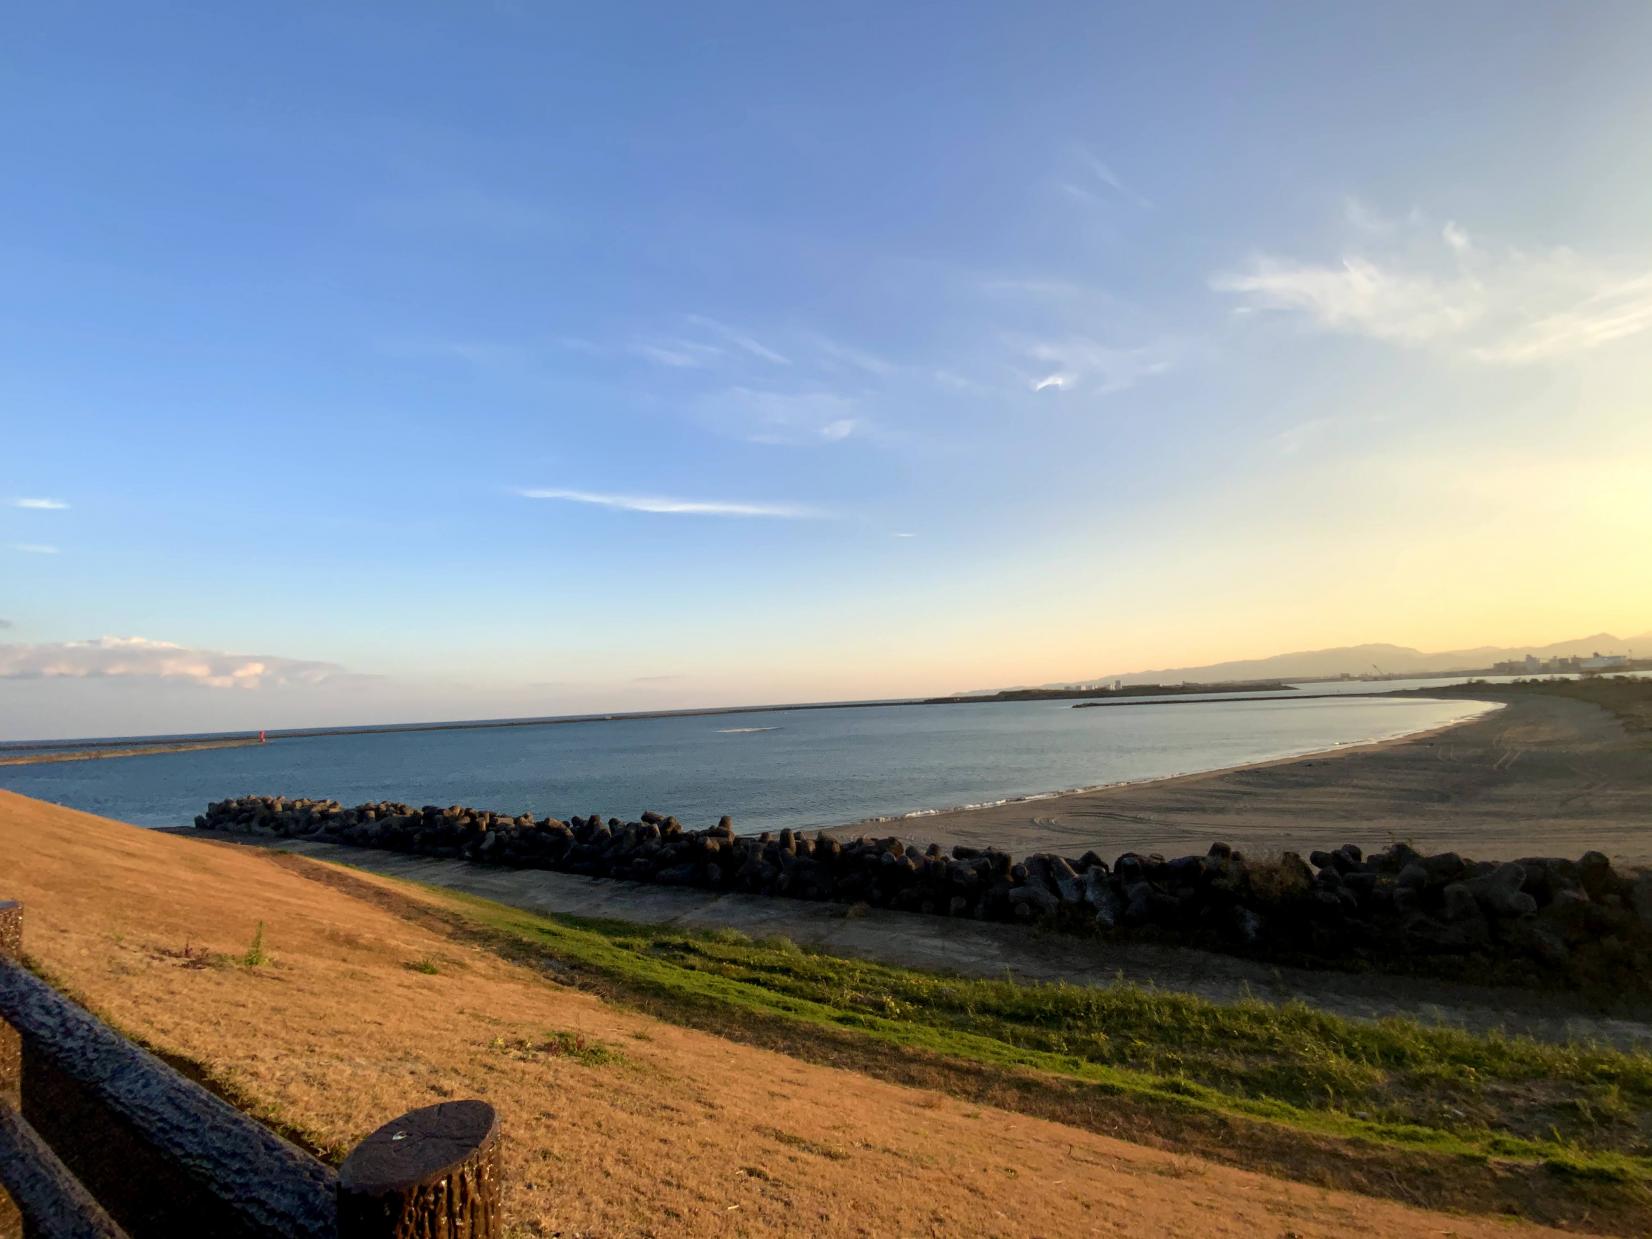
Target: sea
[766, 768]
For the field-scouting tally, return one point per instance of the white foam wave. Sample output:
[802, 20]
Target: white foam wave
[742, 731]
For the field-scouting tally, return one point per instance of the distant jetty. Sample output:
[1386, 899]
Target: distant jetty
[1131, 690]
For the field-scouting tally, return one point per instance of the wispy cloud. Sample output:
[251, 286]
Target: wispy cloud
[40, 505]
[679, 354]
[835, 353]
[740, 339]
[34, 548]
[785, 418]
[1359, 296]
[903, 535]
[684, 353]
[1093, 181]
[1612, 313]
[139, 657]
[1079, 364]
[675, 507]
[1413, 283]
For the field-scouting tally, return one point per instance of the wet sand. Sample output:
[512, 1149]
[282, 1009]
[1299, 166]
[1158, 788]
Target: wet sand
[1542, 776]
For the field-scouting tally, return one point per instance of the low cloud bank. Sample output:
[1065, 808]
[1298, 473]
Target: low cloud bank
[141, 658]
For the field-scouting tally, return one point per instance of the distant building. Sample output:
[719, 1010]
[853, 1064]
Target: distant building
[1603, 662]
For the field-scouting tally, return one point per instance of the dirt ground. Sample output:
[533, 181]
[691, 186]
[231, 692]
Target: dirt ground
[1544, 776]
[673, 1132]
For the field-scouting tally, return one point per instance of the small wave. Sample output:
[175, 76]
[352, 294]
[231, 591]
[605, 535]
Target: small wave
[742, 731]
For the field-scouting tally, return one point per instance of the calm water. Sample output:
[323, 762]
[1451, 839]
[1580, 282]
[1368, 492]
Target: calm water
[768, 769]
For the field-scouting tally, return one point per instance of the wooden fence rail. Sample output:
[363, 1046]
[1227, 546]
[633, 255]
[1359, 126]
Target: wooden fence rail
[100, 1139]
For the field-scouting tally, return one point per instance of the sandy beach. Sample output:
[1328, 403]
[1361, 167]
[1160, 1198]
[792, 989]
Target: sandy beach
[1542, 776]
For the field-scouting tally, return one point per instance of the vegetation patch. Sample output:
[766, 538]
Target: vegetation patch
[1395, 1082]
[1422, 1113]
[576, 1047]
[255, 955]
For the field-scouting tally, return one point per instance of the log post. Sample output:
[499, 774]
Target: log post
[11, 1061]
[431, 1174]
[11, 1041]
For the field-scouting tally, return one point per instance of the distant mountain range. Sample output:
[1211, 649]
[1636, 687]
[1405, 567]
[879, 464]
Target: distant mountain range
[1365, 659]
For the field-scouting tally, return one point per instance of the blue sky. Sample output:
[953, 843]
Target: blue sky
[365, 362]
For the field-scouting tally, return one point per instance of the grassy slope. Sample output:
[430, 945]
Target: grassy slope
[1577, 1109]
[625, 1117]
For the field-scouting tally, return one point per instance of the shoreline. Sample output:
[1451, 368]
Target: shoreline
[844, 829]
[1545, 775]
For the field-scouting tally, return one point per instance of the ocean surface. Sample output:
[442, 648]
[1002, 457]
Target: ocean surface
[766, 768]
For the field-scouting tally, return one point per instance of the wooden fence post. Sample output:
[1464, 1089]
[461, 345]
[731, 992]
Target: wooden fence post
[431, 1174]
[11, 1041]
[11, 1060]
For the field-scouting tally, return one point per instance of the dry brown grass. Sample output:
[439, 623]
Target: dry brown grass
[617, 1124]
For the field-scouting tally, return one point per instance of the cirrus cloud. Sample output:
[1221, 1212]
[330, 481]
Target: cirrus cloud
[142, 658]
[1410, 283]
[662, 505]
[40, 505]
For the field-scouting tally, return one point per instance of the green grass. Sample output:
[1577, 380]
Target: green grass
[255, 956]
[1578, 1109]
[586, 1051]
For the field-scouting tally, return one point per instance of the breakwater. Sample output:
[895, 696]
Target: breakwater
[1543, 920]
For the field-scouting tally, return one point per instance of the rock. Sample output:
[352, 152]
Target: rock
[1427, 935]
[1443, 868]
[1459, 903]
[1138, 903]
[1641, 898]
[1068, 885]
[1576, 920]
[1413, 877]
[1247, 926]
[1500, 893]
[1038, 901]
[1540, 941]
[1594, 871]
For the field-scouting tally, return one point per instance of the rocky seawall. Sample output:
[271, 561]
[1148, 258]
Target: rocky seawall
[1537, 920]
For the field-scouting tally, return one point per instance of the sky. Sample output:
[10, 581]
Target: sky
[366, 362]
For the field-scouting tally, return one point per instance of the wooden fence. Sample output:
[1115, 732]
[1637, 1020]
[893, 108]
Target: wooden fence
[100, 1139]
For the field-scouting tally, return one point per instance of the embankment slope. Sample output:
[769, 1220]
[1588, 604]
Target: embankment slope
[617, 1123]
